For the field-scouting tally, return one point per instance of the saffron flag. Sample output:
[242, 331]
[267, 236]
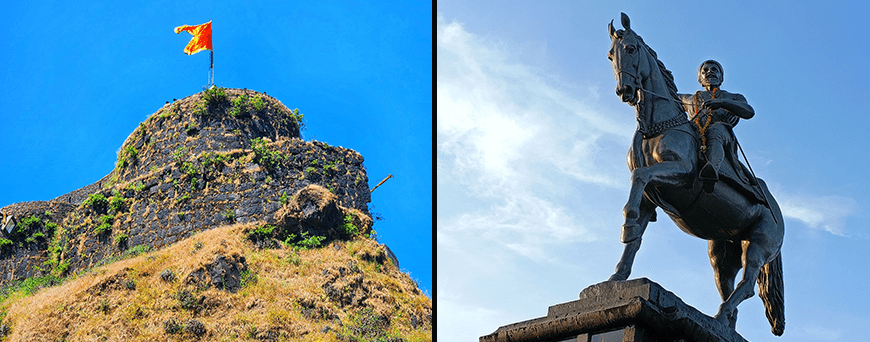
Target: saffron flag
[201, 37]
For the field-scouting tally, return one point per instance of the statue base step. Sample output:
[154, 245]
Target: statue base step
[637, 310]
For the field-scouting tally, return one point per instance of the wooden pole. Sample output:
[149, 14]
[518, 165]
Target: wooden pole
[382, 182]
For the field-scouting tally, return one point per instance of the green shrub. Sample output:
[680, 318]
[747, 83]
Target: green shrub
[188, 168]
[105, 224]
[310, 242]
[30, 285]
[127, 156]
[349, 228]
[121, 238]
[138, 186]
[200, 109]
[213, 161]
[214, 96]
[50, 227]
[32, 238]
[264, 156]
[283, 199]
[257, 103]
[61, 268]
[179, 155]
[289, 240]
[331, 166]
[96, 201]
[299, 118]
[27, 223]
[116, 204]
[240, 106]
[262, 231]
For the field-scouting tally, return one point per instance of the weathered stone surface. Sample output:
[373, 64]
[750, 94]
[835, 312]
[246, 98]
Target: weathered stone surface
[226, 273]
[171, 174]
[638, 303]
[312, 209]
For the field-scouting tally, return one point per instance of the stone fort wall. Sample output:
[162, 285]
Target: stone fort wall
[195, 164]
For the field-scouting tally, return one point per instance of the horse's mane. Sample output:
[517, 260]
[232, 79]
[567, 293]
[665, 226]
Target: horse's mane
[669, 78]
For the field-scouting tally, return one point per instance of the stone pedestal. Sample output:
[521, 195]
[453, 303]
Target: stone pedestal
[637, 310]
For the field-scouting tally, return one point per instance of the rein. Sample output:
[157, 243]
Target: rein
[659, 127]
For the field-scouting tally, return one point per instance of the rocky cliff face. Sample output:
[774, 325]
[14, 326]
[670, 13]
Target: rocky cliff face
[215, 158]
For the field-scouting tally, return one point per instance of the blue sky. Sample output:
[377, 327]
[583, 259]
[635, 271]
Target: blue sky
[77, 78]
[531, 142]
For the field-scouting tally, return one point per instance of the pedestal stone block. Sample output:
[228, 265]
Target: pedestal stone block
[637, 310]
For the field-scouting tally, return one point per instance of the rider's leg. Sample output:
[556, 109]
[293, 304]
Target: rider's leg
[715, 155]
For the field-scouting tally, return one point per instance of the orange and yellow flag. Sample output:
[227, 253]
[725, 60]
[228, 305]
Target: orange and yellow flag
[201, 37]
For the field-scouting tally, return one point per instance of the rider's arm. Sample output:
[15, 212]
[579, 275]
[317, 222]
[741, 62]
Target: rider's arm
[740, 107]
[735, 103]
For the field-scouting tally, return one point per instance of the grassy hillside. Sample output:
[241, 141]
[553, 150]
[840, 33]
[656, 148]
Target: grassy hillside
[223, 285]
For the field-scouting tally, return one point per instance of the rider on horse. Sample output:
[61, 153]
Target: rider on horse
[715, 112]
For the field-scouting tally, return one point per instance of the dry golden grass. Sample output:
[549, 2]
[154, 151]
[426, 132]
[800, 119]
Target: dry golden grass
[288, 300]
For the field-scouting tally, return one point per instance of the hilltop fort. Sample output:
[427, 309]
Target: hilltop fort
[213, 158]
[224, 160]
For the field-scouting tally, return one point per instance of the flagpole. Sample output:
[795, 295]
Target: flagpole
[211, 69]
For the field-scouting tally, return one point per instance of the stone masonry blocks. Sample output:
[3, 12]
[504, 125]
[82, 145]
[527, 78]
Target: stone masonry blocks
[184, 170]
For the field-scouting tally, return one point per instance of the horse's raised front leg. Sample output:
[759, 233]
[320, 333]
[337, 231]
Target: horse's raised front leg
[632, 243]
[670, 173]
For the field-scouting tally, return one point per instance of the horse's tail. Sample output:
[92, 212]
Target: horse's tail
[771, 292]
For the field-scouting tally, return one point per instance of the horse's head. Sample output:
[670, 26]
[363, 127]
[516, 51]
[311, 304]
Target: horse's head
[628, 54]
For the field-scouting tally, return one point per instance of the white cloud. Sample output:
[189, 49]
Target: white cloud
[521, 145]
[820, 212]
[519, 158]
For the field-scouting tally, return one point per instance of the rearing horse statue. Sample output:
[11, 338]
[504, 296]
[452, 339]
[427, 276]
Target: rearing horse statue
[664, 164]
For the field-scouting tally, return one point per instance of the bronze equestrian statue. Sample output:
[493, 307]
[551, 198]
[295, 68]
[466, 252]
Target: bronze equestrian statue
[690, 170]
